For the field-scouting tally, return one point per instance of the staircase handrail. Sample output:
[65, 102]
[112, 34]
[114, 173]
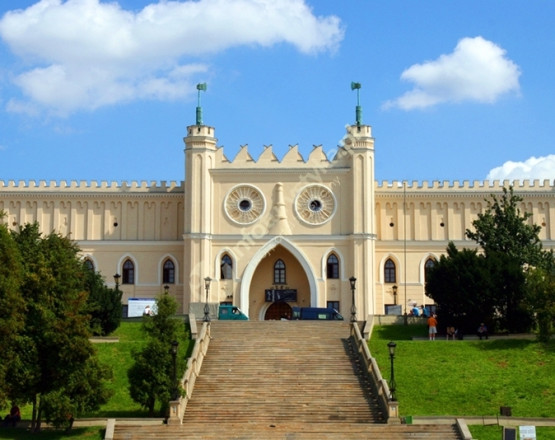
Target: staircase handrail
[187, 383]
[380, 385]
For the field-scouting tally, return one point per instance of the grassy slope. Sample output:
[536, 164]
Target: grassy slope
[469, 377]
[118, 356]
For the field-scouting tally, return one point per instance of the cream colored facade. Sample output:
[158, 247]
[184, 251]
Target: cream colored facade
[255, 213]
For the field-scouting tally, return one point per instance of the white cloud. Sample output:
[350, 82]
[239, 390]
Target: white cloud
[539, 168]
[84, 54]
[477, 70]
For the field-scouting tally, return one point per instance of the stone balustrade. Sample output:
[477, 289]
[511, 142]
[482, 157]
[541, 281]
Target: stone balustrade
[187, 383]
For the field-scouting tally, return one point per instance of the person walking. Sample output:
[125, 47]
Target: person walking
[432, 327]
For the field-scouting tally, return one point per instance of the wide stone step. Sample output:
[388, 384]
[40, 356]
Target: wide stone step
[286, 431]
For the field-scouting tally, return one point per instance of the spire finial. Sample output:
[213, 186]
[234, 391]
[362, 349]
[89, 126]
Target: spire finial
[356, 86]
[200, 86]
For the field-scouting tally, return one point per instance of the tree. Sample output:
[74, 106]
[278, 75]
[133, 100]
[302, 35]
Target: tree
[151, 376]
[503, 228]
[57, 357]
[511, 245]
[459, 285]
[12, 311]
[508, 290]
[541, 293]
[104, 304]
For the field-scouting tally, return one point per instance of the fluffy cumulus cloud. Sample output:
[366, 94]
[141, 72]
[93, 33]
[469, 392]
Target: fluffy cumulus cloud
[535, 168]
[84, 54]
[477, 70]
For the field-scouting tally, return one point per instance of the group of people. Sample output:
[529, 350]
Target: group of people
[451, 332]
[419, 311]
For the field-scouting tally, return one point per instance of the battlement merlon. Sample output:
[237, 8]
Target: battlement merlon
[200, 136]
[358, 137]
[359, 131]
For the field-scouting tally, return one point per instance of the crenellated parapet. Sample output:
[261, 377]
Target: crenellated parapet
[82, 186]
[466, 185]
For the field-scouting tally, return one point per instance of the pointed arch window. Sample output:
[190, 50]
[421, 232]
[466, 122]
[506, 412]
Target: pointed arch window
[430, 263]
[390, 271]
[226, 268]
[279, 272]
[89, 264]
[128, 273]
[332, 267]
[168, 272]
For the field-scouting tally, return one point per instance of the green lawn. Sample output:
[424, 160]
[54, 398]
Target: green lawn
[469, 377]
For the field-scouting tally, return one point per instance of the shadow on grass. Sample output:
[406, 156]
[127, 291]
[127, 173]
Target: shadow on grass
[513, 343]
[120, 415]
[401, 332]
[88, 433]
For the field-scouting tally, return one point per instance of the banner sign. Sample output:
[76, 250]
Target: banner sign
[285, 295]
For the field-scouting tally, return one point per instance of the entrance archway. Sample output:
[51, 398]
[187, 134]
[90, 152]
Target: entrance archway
[277, 311]
[259, 256]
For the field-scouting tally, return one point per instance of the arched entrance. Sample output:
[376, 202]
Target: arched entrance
[258, 276]
[277, 311]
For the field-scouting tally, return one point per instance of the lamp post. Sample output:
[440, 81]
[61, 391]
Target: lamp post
[391, 345]
[117, 276]
[175, 391]
[394, 294]
[353, 282]
[166, 289]
[206, 308]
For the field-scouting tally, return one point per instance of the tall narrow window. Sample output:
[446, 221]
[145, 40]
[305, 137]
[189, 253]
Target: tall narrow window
[430, 263]
[279, 272]
[128, 276]
[226, 266]
[332, 267]
[390, 275]
[168, 272]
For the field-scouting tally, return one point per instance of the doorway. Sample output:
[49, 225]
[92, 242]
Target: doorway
[277, 311]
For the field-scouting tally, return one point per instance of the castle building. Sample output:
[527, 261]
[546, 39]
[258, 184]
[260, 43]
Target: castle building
[269, 234]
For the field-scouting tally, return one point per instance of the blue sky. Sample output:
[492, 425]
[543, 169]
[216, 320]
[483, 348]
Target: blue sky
[454, 90]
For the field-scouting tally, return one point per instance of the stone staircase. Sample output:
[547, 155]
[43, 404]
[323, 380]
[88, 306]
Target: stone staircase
[280, 372]
[282, 380]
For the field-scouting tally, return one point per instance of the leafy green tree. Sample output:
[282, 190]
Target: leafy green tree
[508, 289]
[104, 304]
[459, 285]
[84, 391]
[58, 358]
[12, 311]
[541, 293]
[511, 245]
[505, 229]
[151, 376]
